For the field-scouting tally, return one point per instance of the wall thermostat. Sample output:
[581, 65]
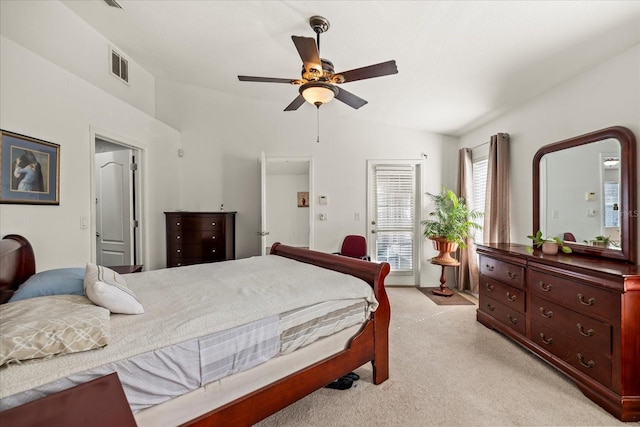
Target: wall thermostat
[323, 200]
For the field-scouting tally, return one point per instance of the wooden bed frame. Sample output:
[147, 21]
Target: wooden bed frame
[17, 263]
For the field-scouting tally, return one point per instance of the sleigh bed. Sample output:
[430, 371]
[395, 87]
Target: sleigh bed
[244, 396]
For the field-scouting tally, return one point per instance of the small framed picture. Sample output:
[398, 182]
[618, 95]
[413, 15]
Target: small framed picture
[303, 199]
[29, 170]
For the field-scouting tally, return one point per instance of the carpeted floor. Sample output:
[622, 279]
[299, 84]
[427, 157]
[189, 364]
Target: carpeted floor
[446, 369]
[455, 299]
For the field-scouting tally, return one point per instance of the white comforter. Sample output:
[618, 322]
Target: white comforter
[187, 302]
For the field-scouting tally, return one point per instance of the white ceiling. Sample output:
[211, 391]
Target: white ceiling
[461, 63]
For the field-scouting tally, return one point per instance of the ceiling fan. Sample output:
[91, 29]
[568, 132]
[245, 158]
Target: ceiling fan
[319, 84]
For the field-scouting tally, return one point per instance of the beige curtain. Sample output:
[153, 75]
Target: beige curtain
[496, 210]
[468, 271]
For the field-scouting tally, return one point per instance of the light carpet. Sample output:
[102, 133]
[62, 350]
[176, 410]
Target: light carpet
[446, 369]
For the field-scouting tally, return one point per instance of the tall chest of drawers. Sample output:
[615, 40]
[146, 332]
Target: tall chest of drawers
[199, 237]
[578, 313]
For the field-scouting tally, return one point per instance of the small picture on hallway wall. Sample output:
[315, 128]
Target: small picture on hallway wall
[29, 170]
[303, 199]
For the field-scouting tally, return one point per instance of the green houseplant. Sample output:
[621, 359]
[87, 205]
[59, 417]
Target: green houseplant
[450, 224]
[549, 245]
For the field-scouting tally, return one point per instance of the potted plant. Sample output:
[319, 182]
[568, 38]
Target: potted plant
[451, 225]
[549, 245]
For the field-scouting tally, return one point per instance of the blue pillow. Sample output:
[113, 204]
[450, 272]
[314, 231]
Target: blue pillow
[60, 281]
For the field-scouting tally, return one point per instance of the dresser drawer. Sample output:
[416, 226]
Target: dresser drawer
[502, 271]
[200, 222]
[194, 236]
[207, 251]
[508, 295]
[506, 315]
[572, 294]
[585, 330]
[588, 360]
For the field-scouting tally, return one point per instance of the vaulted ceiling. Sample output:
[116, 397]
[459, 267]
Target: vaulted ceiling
[460, 63]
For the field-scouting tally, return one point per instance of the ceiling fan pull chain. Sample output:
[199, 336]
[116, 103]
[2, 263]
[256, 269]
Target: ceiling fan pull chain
[318, 120]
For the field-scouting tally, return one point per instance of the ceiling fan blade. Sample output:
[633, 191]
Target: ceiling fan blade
[350, 99]
[308, 52]
[265, 79]
[295, 104]
[377, 70]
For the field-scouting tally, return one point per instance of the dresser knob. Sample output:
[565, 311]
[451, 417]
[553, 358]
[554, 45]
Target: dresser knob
[177, 237]
[512, 319]
[213, 251]
[544, 286]
[489, 267]
[511, 275]
[589, 364]
[490, 287]
[491, 307]
[511, 297]
[177, 223]
[178, 250]
[590, 301]
[213, 237]
[213, 223]
[547, 314]
[588, 333]
[547, 341]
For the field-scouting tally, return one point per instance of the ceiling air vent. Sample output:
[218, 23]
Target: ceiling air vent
[119, 66]
[113, 3]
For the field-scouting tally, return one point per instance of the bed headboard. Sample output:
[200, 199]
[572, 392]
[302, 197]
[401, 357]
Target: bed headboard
[17, 264]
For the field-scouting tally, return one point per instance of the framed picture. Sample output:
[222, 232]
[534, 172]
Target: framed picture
[29, 170]
[303, 199]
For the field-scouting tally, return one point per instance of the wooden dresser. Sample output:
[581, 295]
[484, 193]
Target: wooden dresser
[198, 237]
[578, 313]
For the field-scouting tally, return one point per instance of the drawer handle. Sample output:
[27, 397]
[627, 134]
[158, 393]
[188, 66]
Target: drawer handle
[489, 267]
[511, 297]
[177, 223]
[177, 237]
[178, 250]
[213, 250]
[490, 287]
[213, 237]
[589, 364]
[512, 319]
[179, 264]
[511, 275]
[545, 286]
[547, 341]
[589, 332]
[491, 307]
[548, 314]
[213, 223]
[590, 301]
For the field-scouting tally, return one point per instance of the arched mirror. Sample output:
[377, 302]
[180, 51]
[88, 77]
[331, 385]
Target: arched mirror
[584, 191]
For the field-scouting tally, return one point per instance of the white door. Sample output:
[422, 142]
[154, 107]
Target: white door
[393, 225]
[114, 208]
[263, 233]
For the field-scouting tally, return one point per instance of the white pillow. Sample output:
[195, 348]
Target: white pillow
[108, 289]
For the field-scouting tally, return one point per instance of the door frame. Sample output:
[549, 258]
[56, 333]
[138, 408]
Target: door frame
[264, 161]
[139, 185]
[399, 278]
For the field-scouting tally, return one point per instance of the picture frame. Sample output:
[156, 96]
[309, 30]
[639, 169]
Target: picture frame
[29, 170]
[303, 199]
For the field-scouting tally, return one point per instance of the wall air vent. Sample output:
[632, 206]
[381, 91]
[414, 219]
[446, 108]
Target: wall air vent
[113, 3]
[119, 66]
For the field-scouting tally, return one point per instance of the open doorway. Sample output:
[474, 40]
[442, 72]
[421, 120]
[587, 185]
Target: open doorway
[287, 211]
[116, 195]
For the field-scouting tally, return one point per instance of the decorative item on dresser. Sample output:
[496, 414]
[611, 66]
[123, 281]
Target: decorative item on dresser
[198, 237]
[581, 314]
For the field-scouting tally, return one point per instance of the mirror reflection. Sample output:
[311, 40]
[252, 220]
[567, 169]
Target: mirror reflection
[580, 194]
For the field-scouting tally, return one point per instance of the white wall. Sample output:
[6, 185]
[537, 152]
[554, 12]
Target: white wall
[223, 136]
[57, 34]
[44, 101]
[604, 96]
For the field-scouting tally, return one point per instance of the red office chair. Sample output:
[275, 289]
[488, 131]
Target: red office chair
[568, 237]
[355, 247]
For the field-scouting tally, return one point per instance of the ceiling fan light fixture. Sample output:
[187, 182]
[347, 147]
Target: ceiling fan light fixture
[318, 93]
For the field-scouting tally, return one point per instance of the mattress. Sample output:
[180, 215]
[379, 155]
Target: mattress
[159, 374]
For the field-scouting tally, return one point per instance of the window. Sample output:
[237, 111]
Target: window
[119, 66]
[394, 195]
[479, 193]
[611, 207]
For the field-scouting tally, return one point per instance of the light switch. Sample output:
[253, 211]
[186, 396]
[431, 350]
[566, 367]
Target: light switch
[323, 217]
[84, 222]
